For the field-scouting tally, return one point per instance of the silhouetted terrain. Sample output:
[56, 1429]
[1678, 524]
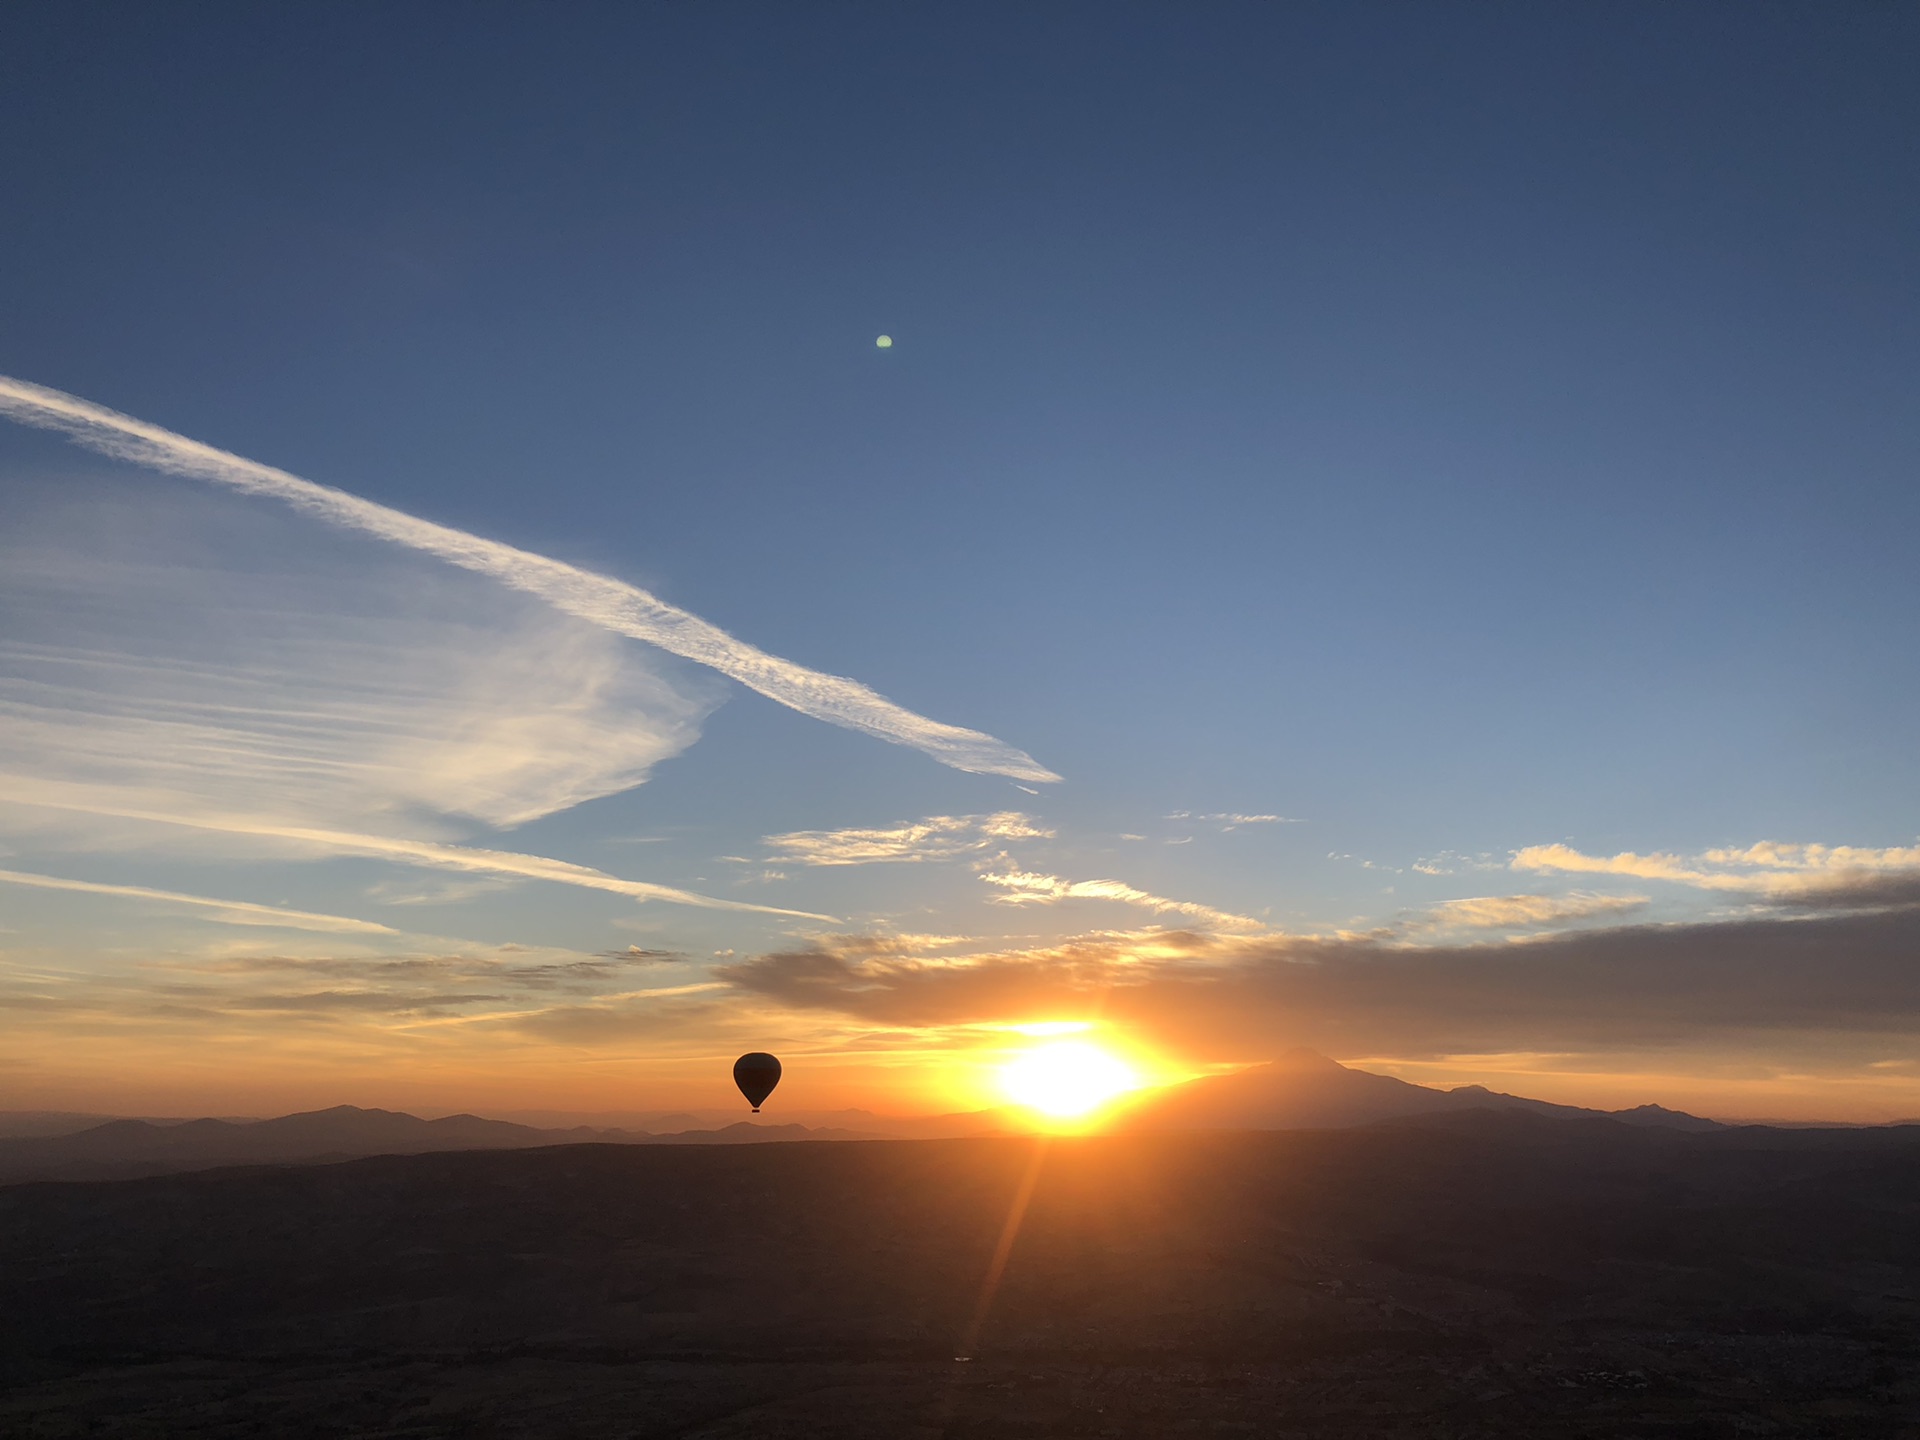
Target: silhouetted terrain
[18, 1123]
[1305, 1090]
[1301, 1090]
[1479, 1273]
[123, 1149]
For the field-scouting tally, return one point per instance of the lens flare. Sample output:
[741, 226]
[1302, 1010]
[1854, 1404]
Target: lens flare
[1066, 1079]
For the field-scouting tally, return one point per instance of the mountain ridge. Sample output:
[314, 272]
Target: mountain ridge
[131, 1149]
[1298, 1090]
[1303, 1089]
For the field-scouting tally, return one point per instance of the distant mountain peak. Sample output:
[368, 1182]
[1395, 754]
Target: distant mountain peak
[1299, 1057]
[1303, 1089]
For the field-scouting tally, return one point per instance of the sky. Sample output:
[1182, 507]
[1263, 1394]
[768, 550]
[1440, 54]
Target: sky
[1381, 527]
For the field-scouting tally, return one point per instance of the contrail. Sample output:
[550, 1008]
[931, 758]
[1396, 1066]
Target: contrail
[613, 604]
[240, 912]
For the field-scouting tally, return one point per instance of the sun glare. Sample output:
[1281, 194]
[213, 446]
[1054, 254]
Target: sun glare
[1067, 1079]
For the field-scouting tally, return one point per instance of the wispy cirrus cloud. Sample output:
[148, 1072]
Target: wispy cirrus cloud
[937, 837]
[190, 649]
[1812, 876]
[1503, 912]
[1233, 819]
[1450, 862]
[433, 854]
[366, 996]
[231, 693]
[640, 955]
[443, 892]
[228, 912]
[192, 675]
[1024, 887]
[601, 600]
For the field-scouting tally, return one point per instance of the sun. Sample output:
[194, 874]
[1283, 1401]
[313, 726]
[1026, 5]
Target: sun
[1066, 1079]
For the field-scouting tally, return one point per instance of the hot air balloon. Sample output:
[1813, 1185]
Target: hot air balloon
[756, 1075]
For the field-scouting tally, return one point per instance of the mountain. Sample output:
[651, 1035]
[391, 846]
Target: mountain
[745, 1132]
[1666, 1119]
[123, 1149]
[1304, 1090]
[21, 1123]
[1299, 1091]
[868, 1123]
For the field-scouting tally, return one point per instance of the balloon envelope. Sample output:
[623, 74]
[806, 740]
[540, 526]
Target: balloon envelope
[756, 1075]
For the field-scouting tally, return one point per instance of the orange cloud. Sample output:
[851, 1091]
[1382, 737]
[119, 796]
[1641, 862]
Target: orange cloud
[1839, 876]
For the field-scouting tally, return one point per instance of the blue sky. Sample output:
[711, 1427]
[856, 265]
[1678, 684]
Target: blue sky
[1453, 431]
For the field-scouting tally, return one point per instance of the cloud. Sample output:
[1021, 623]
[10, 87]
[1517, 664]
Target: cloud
[354, 1002]
[1232, 819]
[1489, 912]
[664, 1019]
[636, 955]
[612, 604]
[214, 690]
[187, 655]
[446, 892]
[191, 674]
[496, 969]
[1025, 887]
[1808, 876]
[367, 998]
[227, 912]
[1865, 891]
[938, 837]
[1764, 986]
[1448, 862]
[466, 858]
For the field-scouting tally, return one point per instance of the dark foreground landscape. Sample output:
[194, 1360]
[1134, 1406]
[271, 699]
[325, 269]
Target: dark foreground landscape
[1481, 1274]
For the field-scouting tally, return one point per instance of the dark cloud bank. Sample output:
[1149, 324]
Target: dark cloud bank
[1849, 982]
